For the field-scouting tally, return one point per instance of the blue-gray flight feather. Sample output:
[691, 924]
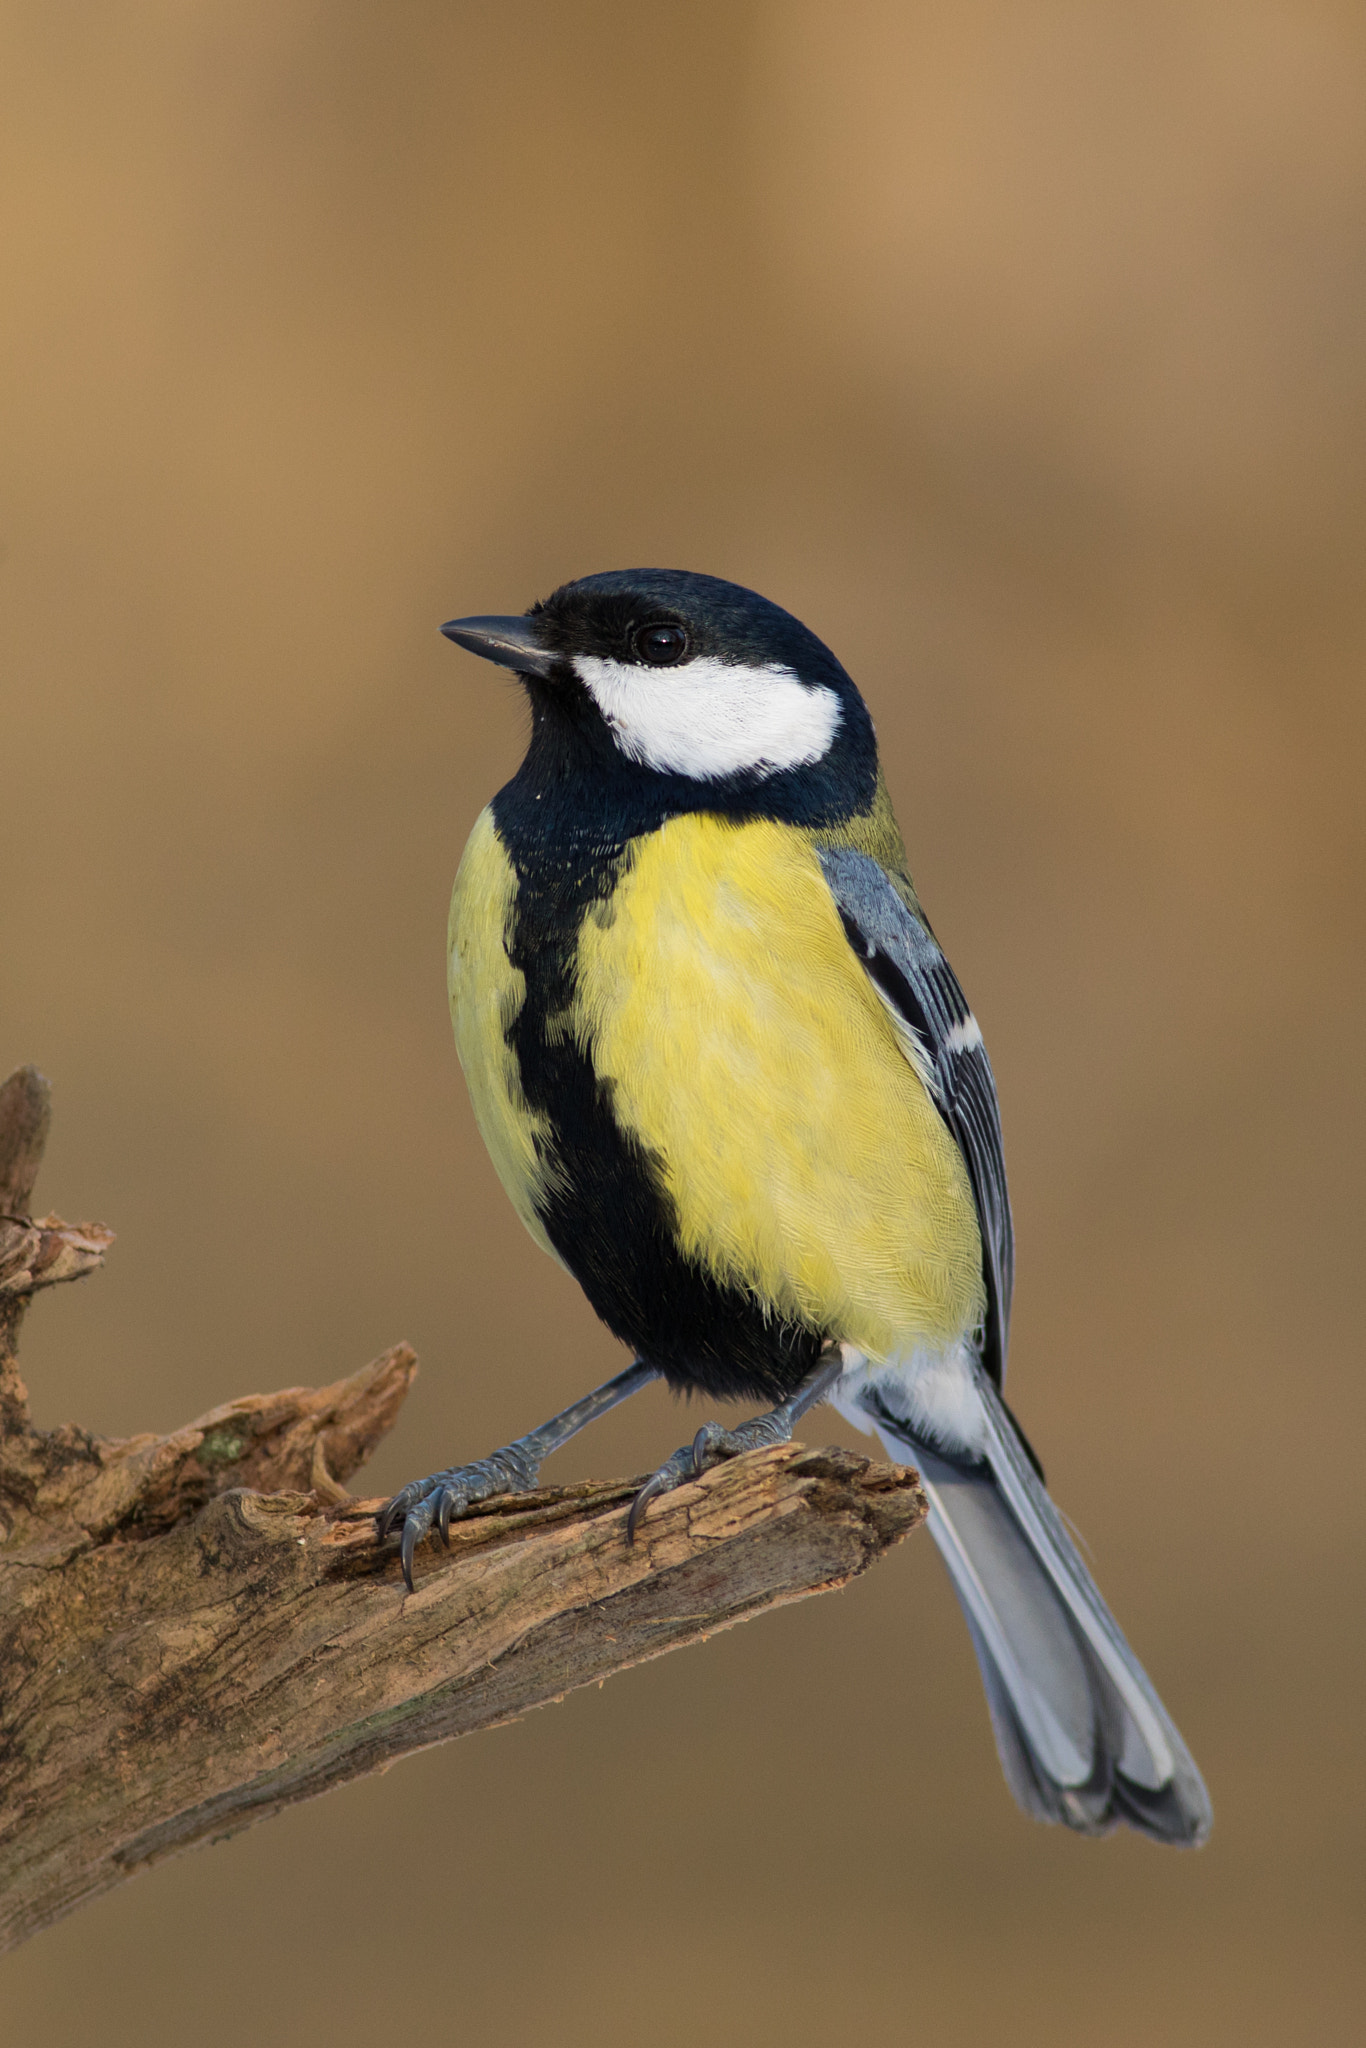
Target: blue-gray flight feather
[904, 961]
[1082, 1735]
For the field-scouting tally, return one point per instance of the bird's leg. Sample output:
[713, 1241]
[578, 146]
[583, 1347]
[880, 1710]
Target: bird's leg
[513, 1469]
[712, 1443]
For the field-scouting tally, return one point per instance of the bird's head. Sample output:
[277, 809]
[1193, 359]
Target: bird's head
[687, 684]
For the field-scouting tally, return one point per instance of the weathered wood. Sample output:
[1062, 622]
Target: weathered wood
[198, 1629]
[33, 1253]
[160, 1692]
[25, 1119]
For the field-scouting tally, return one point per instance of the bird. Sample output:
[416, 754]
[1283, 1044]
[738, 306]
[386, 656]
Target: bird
[730, 1083]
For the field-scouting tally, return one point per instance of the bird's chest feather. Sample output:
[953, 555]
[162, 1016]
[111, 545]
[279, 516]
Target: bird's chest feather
[685, 1030]
[746, 1051]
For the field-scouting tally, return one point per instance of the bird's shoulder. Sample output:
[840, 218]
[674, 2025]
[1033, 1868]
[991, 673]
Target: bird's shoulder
[873, 835]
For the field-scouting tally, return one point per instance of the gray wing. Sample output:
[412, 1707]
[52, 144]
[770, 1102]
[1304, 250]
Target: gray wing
[903, 960]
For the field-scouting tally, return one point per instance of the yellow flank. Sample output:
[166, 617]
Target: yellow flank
[486, 992]
[752, 1055]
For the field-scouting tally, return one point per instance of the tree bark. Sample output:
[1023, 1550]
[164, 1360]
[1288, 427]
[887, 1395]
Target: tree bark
[198, 1629]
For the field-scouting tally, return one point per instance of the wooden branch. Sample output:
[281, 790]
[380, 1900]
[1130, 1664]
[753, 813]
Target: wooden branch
[198, 1629]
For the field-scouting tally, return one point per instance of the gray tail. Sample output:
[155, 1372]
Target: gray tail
[1082, 1736]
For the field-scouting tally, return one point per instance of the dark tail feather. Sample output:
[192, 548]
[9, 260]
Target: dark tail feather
[1082, 1736]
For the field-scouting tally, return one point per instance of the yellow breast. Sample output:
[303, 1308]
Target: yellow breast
[749, 1053]
[486, 993]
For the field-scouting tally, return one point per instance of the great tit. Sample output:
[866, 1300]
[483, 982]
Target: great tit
[730, 1081]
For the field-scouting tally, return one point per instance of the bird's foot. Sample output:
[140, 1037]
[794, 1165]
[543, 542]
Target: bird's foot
[432, 1502]
[709, 1447]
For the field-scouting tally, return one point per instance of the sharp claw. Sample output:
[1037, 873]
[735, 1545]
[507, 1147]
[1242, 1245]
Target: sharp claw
[409, 1546]
[701, 1444]
[648, 1492]
[444, 1508]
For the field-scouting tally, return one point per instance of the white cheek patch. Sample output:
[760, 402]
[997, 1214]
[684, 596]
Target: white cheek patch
[708, 718]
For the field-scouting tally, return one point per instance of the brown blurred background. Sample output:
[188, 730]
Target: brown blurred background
[1021, 350]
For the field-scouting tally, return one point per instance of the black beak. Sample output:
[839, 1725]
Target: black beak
[509, 642]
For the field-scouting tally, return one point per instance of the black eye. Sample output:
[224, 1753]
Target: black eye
[660, 646]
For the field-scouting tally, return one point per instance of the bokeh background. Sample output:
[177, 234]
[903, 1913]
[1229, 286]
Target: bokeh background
[1021, 350]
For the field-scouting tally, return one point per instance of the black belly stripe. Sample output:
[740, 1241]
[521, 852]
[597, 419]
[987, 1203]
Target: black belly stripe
[611, 1218]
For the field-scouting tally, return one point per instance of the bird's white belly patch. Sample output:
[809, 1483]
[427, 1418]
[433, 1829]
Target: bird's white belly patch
[933, 1389]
